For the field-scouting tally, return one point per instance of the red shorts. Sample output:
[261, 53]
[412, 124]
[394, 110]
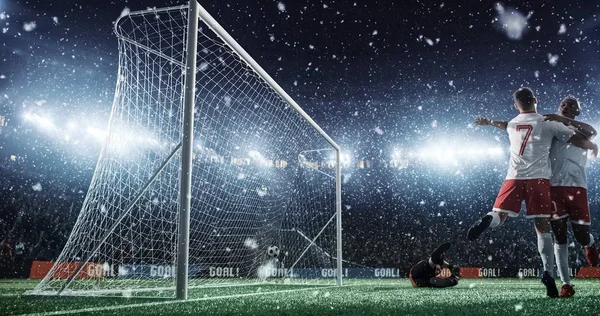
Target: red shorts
[535, 193]
[570, 202]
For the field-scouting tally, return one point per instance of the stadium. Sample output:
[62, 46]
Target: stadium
[153, 166]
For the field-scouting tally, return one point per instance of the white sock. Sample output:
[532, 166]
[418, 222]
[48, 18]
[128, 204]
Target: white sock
[591, 240]
[546, 251]
[562, 262]
[495, 219]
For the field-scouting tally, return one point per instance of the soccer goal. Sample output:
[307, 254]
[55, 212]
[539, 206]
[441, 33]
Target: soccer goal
[210, 175]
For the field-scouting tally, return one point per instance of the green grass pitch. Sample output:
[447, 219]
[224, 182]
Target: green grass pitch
[356, 297]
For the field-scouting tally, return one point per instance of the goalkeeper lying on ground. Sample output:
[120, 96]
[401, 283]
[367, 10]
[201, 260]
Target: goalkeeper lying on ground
[426, 272]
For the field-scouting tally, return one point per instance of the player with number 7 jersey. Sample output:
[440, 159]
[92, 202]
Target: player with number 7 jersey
[528, 176]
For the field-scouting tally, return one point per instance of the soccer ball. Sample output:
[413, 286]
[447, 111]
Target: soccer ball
[273, 251]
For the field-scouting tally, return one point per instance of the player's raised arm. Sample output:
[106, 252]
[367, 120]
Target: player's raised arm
[585, 129]
[484, 121]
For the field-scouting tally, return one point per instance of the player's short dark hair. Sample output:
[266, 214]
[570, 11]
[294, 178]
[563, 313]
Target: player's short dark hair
[525, 98]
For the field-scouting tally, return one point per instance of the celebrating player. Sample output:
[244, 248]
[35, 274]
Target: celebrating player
[569, 193]
[426, 272]
[528, 176]
[568, 190]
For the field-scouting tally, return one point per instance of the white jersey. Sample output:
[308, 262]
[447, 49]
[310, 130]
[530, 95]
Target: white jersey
[568, 165]
[530, 140]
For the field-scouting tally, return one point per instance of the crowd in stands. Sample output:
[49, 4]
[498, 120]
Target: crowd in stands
[37, 212]
[392, 217]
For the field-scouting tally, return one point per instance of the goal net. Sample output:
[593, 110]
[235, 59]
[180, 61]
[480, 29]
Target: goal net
[264, 175]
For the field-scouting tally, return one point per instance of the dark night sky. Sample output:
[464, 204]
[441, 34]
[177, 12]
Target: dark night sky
[373, 74]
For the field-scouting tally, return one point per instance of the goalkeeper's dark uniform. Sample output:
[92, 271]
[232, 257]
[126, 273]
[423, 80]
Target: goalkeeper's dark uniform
[425, 273]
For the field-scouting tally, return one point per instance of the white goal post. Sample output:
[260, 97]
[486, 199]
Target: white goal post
[207, 163]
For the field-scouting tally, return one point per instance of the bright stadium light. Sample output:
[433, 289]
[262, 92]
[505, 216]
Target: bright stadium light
[495, 151]
[454, 154]
[39, 121]
[345, 159]
[258, 158]
[72, 125]
[97, 133]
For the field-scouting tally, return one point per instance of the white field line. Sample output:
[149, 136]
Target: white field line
[116, 307]
[10, 295]
[84, 293]
[88, 293]
[499, 283]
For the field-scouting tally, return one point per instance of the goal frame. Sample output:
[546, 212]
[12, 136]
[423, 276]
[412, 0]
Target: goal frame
[197, 12]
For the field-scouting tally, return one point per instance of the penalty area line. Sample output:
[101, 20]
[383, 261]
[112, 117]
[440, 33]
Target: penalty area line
[116, 307]
[464, 281]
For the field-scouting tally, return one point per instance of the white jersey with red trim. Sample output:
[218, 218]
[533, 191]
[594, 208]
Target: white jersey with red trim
[530, 140]
[568, 165]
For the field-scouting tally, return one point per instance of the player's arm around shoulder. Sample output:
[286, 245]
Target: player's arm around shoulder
[564, 134]
[559, 130]
[484, 121]
[586, 129]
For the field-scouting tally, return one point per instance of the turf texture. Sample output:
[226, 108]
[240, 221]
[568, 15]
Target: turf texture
[356, 297]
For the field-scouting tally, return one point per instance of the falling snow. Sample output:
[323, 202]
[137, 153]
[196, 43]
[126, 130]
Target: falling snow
[262, 191]
[37, 187]
[29, 26]
[562, 29]
[203, 66]
[251, 243]
[518, 307]
[396, 92]
[510, 21]
[552, 59]
[281, 6]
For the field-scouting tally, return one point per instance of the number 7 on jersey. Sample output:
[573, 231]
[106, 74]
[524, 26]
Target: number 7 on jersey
[527, 128]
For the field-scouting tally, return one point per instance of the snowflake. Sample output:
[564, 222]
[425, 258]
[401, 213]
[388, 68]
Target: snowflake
[519, 307]
[29, 26]
[251, 243]
[562, 29]
[552, 59]
[37, 187]
[281, 6]
[512, 22]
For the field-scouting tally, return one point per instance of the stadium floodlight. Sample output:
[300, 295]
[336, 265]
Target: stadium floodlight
[72, 125]
[258, 158]
[97, 133]
[169, 207]
[40, 121]
[495, 151]
[346, 158]
[450, 155]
